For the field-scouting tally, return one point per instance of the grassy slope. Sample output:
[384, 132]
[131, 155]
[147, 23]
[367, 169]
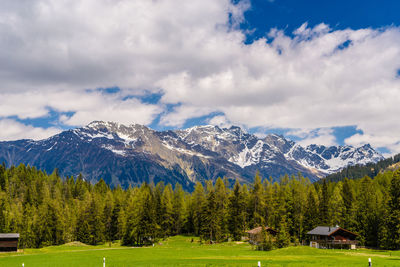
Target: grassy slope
[180, 251]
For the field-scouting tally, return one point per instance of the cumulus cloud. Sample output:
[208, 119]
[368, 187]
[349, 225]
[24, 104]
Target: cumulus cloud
[13, 130]
[220, 121]
[194, 53]
[85, 106]
[322, 136]
[100, 43]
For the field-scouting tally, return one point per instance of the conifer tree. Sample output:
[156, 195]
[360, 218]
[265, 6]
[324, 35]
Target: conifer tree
[394, 212]
[167, 211]
[221, 199]
[311, 213]
[283, 237]
[211, 224]
[198, 206]
[108, 216]
[336, 206]
[324, 204]
[367, 213]
[145, 226]
[349, 206]
[269, 209]
[256, 207]
[179, 211]
[237, 210]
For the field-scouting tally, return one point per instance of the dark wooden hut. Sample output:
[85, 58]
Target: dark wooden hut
[9, 242]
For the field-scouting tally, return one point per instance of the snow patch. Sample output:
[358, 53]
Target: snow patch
[50, 147]
[184, 151]
[247, 156]
[114, 150]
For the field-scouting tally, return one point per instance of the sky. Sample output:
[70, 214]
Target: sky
[324, 72]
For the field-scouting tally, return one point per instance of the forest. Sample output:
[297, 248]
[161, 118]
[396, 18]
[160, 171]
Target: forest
[51, 210]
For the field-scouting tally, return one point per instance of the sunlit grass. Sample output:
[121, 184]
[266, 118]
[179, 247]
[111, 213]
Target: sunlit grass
[180, 251]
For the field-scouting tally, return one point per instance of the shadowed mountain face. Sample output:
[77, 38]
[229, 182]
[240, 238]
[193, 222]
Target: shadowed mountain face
[129, 155]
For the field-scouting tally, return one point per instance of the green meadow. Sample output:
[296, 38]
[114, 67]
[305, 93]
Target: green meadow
[181, 251]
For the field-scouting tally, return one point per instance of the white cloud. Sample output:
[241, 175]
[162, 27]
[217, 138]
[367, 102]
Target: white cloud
[86, 106]
[101, 43]
[322, 136]
[220, 121]
[13, 130]
[182, 113]
[389, 140]
[53, 50]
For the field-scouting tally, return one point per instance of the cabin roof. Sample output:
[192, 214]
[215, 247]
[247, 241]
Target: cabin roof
[9, 235]
[327, 230]
[258, 230]
[322, 230]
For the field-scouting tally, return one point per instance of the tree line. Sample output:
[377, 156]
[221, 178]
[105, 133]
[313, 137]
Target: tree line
[359, 170]
[48, 210]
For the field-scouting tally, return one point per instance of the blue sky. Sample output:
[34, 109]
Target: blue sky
[314, 71]
[339, 14]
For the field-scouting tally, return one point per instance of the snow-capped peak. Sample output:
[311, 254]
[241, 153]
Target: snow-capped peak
[331, 159]
[237, 146]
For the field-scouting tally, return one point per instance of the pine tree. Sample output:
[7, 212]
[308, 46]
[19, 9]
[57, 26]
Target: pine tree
[237, 209]
[178, 209]
[283, 237]
[394, 212]
[349, 208]
[256, 207]
[324, 204]
[146, 227]
[198, 203]
[311, 213]
[211, 224]
[90, 227]
[296, 197]
[336, 206]
[108, 217]
[167, 211]
[221, 199]
[268, 202]
[368, 212]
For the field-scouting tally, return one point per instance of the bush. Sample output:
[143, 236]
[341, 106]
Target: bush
[267, 243]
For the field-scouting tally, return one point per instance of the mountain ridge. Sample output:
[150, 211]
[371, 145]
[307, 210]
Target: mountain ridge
[131, 154]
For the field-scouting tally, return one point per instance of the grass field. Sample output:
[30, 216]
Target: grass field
[180, 251]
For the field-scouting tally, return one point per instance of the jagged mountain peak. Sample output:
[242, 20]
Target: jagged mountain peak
[236, 130]
[279, 142]
[114, 126]
[244, 149]
[330, 159]
[130, 154]
[109, 129]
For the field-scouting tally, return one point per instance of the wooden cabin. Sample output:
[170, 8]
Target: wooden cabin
[9, 242]
[255, 235]
[332, 237]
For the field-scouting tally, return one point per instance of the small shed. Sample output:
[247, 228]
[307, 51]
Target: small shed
[9, 242]
[255, 235]
[332, 237]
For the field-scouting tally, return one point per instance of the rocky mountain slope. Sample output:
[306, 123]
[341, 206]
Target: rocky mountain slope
[131, 154]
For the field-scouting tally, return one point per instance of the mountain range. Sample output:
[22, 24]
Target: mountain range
[131, 154]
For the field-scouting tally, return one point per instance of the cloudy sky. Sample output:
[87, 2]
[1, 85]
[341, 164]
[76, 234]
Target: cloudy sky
[316, 72]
